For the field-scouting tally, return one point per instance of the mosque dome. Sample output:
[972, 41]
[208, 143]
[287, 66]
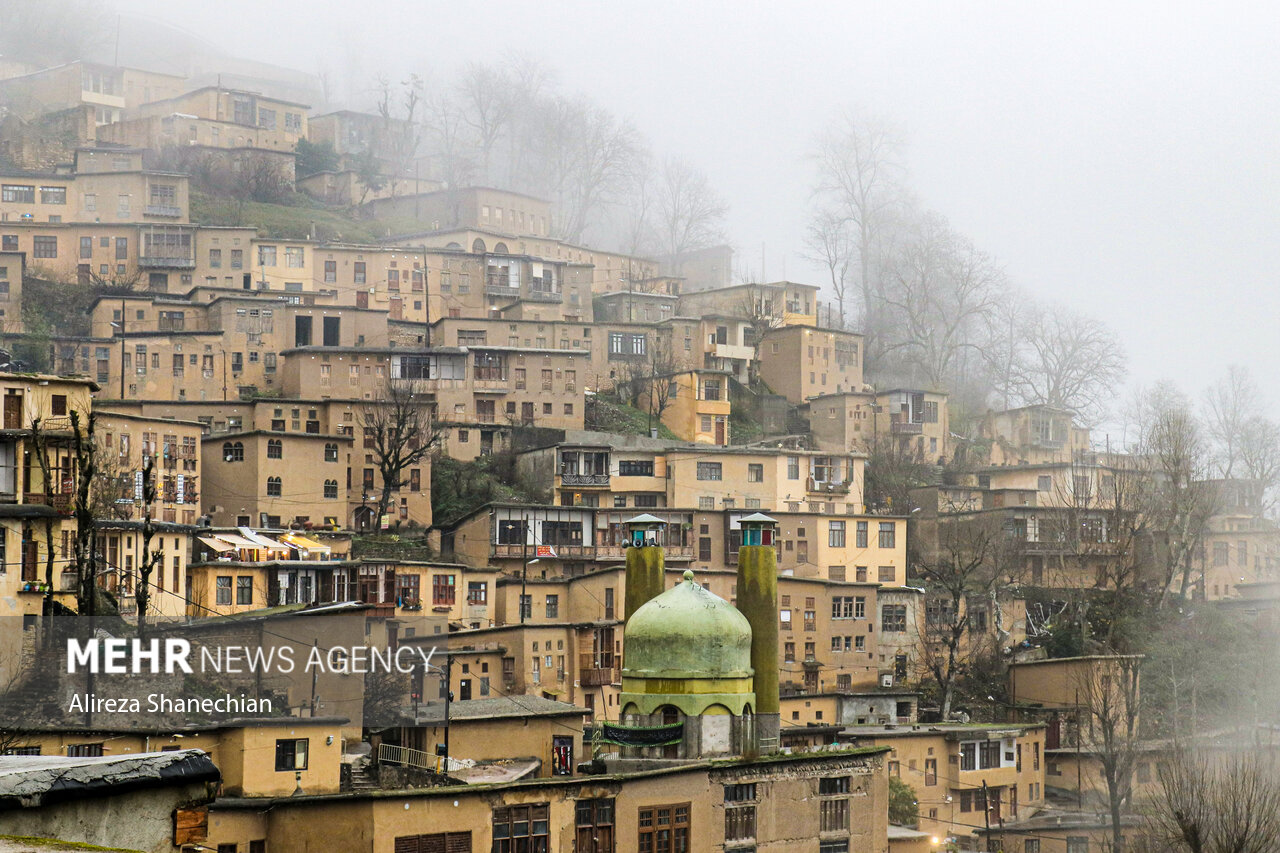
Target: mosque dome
[687, 632]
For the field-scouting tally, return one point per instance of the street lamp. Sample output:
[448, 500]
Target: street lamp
[120, 326]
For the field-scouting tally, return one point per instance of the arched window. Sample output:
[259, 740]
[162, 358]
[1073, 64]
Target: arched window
[274, 489]
[457, 247]
[232, 451]
[330, 488]
[478, 246]
[331, 452]
[275, 449]
[500, 249]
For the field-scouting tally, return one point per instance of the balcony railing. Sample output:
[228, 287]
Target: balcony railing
[164, 262]
[163, 210]
[906, 428]
[517, 550]
[598, 677]
[540, 295]
[584, 479]
[828, 488]
[61, 503]
[670, 552]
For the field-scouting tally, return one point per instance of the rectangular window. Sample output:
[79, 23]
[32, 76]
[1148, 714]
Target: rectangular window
[18, 194]
[888, 534]
[222, 587]
[860, 535]
[664, 829]
[755, 472]
[522, 829]
[893, 617]
[553, 606]
[359, 269]
[291, 754]
[53, 195]
[244, 590]
[793, 467]
[633, 468]
[835, 534]
[293, 257]
[709, 471]
[887, 574]
[442, 590]
[45, 247]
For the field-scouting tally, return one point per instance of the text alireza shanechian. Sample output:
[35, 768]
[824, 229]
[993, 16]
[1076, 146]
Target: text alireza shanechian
[125, 657]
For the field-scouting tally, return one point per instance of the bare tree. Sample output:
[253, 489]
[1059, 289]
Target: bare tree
[763, 314]
[940, 294]
[448, 141]
[1229, 403]
[1109, 700]
[41, 444]
[1069, 361]
[1259, 451]
[152, 558]
[973, 562]
[399, 430]
[828, 241]
[1179, 498]
[860, 175]
[689, 211]
[400, 130]
[1217, 803]
[486, 106]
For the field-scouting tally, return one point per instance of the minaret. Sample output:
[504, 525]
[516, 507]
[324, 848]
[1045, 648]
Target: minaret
[757, 599]
[645, 563]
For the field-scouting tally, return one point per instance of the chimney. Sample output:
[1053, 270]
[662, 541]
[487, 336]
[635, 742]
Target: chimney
[757, 599]
[645, 563]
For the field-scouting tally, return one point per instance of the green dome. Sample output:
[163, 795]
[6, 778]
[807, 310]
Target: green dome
[687, 632]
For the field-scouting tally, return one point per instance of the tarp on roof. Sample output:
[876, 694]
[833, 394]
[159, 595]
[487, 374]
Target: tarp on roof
[241, 542]
[297, 540]
[217, 544]
[262, 541]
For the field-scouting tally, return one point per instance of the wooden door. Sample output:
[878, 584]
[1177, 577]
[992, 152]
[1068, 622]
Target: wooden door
[13, 410]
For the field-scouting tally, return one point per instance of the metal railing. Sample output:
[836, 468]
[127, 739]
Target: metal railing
[389, 753]
[584, 479]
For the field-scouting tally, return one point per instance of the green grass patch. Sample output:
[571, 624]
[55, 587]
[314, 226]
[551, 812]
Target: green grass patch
[606, 415]
[297, 220]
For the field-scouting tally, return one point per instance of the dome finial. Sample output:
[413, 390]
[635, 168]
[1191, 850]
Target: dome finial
[688, 574]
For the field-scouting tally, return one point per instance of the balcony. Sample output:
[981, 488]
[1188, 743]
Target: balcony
[164, 262]
[827, 488]
[598, 677]
[906, 428]
[166, 210]
[562, 551]
[733, 351]
[584, 479]
[61, 503]
[542, 295]
[670, 552]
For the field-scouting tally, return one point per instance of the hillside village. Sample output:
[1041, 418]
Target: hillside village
[704, 566]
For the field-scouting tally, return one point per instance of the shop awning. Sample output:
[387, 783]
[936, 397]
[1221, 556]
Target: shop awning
[217, 544]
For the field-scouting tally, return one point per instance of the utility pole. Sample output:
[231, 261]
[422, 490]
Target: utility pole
[448, 696]
[122, 348]
[524, 561]
[986, 811]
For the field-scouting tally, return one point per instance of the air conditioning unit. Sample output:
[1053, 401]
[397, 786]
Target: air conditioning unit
[886, 681]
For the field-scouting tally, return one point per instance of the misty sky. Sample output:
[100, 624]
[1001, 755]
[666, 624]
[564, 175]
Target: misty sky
[1118, 158]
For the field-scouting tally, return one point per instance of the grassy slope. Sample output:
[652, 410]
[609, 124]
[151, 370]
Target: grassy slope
[295, 221]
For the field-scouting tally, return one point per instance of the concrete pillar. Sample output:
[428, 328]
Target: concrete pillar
[757, 599]
[645, 578]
